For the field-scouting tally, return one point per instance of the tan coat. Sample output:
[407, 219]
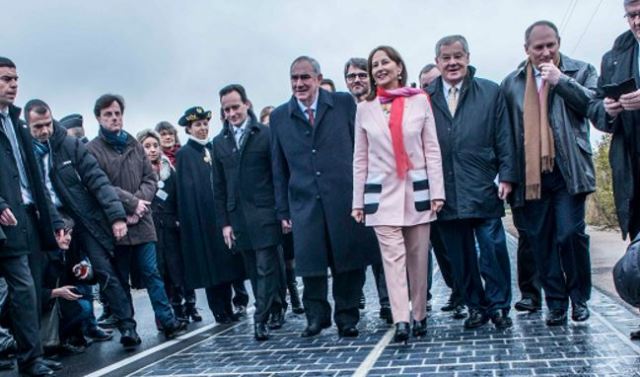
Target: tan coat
[385, 198]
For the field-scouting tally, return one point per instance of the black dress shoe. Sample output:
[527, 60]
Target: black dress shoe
[500, 319]
[70, 349]
[297, 309]
[222, 319]
[99, 335]
[52, 364]
[175, 329]
[459, 312]
[277, 320]
[579, 312]
[420, 327]
[130, 339]
[190, 311]
[557, 317]
[528, 304]
[385, 313]
[36, 369]
[348, 332]
[402, 332]
[314, 328]
[240, 312]
[451, 304]
[108, 321]
[476, 319]
[260, 331]
[6, 364]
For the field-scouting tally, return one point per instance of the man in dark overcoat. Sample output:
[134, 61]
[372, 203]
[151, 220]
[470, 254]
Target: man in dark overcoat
[208, 263]
[83, 192]
[547, 99]
[621, 117]
[245, 204]
[477, 145]
[312, 154]
[28, 221]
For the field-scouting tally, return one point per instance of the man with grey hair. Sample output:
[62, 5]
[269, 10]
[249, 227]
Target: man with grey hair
[312, 153]
[620, 117]
[548, 97]
[476, 142]
[357, 78]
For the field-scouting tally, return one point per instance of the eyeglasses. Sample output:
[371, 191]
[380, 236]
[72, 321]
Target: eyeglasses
[351, 77]
[632, 16]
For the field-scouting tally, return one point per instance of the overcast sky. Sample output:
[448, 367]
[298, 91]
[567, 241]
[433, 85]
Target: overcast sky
[165, 56]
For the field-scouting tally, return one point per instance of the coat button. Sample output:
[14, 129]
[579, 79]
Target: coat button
[313, 151]
[318, 173]
[307, 133]
[318, 197]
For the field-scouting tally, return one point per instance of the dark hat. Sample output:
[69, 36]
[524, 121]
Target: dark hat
[71, 121]
[193, 114]
[68, 222]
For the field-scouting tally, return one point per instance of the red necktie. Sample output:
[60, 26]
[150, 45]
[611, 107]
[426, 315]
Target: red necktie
[310, 113]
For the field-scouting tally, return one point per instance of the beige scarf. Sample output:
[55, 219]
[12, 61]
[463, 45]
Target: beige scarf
[539, 151]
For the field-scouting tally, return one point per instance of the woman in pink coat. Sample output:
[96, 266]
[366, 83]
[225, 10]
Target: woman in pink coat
[398, 186]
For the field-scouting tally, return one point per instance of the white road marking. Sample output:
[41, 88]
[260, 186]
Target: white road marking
[370, 360]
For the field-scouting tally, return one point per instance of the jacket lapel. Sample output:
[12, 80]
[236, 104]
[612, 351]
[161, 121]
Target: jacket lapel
[381, 121]
[325, 101]
[437, 97]
[295, 112]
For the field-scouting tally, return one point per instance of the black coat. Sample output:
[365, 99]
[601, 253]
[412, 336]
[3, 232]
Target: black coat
[313, 177]
[11, 197]
[164, 208]
[207, 260]
[476, 145]
[619, 64]
[243, 182]
[83, 188]
[568, 105]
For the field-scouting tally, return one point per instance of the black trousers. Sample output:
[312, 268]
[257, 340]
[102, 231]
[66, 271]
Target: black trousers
[381, 284]
[528, 279]
[484, 277]
[346, 287]
[240, 294]
[24, 300]
[556, 229]
[103, 266]
[263, 267]
[25, 325]
[444, 263]
[219, 300]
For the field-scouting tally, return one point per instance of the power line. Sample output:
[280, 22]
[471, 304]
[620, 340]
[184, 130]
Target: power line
[566, 13]
[593, 15]
[572, 8]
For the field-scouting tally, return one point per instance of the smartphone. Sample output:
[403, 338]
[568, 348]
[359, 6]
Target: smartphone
[614, 91]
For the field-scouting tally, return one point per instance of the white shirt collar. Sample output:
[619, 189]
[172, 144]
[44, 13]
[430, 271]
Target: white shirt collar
[242, 126]
[314, 105]
[446, 86]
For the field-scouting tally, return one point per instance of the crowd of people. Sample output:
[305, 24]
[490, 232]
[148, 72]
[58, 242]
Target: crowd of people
[319, 187]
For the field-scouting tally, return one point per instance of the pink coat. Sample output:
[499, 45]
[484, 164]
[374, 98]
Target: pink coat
[385, 198]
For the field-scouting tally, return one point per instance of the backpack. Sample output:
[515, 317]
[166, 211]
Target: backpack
[626, 274]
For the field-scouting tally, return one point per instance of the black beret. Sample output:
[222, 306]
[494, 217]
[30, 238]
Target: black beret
[193, 114]
[71, 121]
